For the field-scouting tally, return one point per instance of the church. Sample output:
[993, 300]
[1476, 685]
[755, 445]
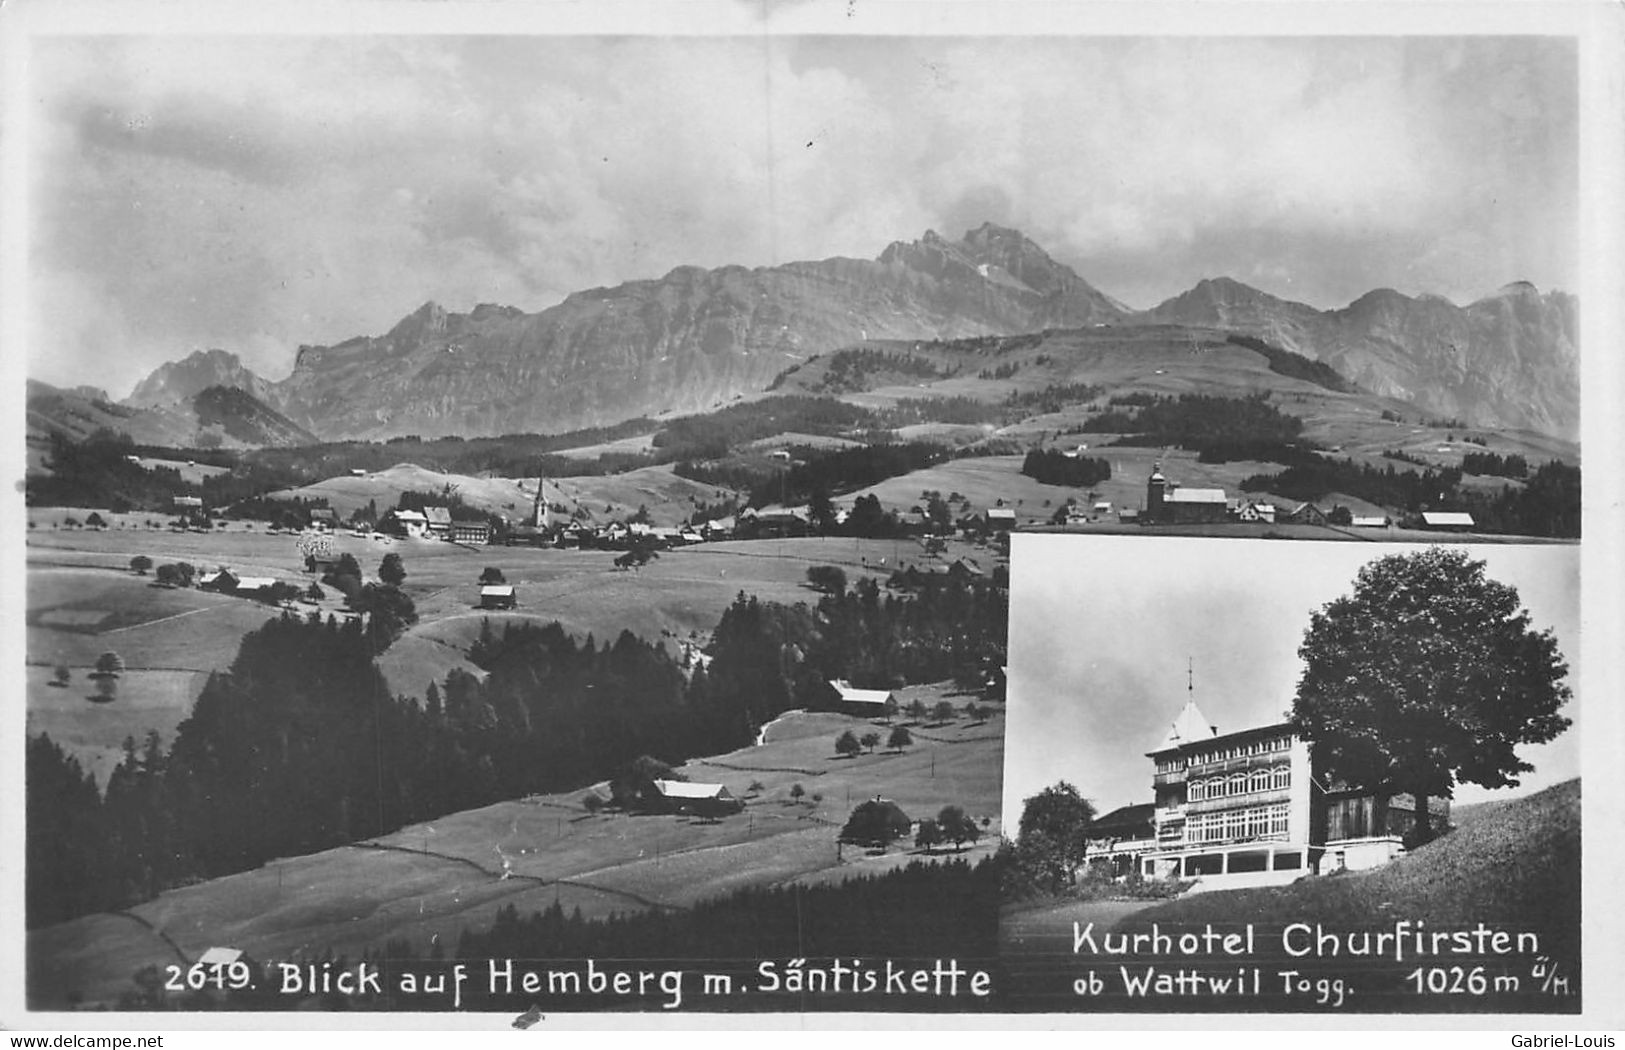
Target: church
[1169, 503]
[1247, 808]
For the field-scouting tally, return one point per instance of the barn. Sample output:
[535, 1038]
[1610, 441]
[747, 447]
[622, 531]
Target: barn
[498, 596]
[865, 703]
[1447, 520]
[701, 800]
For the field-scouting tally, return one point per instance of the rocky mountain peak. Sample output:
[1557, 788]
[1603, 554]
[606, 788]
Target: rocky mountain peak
[179, 381]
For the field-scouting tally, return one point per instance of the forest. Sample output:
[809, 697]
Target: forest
[1054, 467]
[300, 747]
[1218, 428]
[1296, 366]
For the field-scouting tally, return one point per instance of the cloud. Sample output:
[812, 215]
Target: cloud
[256, 193]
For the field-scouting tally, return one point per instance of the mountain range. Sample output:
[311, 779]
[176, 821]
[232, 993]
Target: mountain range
[696, 338]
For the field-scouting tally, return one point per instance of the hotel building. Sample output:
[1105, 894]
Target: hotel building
[1247, 808]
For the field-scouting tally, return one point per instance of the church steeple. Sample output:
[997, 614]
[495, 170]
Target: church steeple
[538, 512]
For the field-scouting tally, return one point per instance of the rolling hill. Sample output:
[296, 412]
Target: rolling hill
[212, 416]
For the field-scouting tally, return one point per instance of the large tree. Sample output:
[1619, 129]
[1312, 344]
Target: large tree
[391, 570]
[1052, 831]
[1427, 675]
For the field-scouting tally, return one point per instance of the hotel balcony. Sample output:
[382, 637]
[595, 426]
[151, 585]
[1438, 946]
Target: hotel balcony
[1176, 776]
[1199, 767]
[1241, 801]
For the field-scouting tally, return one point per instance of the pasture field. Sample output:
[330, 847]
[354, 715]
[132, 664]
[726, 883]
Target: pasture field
[429, 881]
[91, 728]
[668, 498]
[83, 600]
[985, 480]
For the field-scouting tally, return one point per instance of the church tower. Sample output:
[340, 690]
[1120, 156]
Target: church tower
[1156, 488]
[538, 513]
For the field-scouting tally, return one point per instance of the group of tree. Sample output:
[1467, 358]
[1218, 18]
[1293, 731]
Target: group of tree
[1490, 464]
[175, 574]
[849, 744]
[714, 434]
[769, 657]
[1295, 366]
[1050, 843]
[830, 579]
[1218, 427]
[97, 472]
[859, 368]
[844, 470]
[951, 825]
[1053, 467]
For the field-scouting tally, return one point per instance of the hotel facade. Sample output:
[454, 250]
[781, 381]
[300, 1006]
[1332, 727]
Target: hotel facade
[1247, 808]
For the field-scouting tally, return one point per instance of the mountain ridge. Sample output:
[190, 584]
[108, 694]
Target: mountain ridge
[696, 338]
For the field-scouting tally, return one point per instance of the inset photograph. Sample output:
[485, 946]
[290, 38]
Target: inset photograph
[1296, 777]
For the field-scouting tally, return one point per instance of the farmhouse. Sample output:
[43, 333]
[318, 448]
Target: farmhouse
[409, 523]
[439, 521]
[681, 796]
[1247, 808]
[1304, 514]
[1370, 521]
[221, 580]
[719, 528]
[865, 703]
[324, 517]
[498, 596]
[1001, 519]
[1447, 520]
[1254, 510]
[774, 522]
[1166, 503]
[188, 502]
[251, 586]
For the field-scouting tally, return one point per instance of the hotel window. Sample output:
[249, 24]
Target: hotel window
[1258, 780]
[1281, 776]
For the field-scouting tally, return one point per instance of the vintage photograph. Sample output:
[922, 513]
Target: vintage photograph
[545, 513]
[1253, 776]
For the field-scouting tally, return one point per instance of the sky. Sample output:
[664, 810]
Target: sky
[256, 192]
[1109, 635]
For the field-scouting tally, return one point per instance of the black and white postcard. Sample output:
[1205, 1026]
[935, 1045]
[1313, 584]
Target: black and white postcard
[531, 513]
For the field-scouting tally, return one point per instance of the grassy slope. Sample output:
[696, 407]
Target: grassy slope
[1158, 359]
[1516, 865]
[669, 498]
[353, 897]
